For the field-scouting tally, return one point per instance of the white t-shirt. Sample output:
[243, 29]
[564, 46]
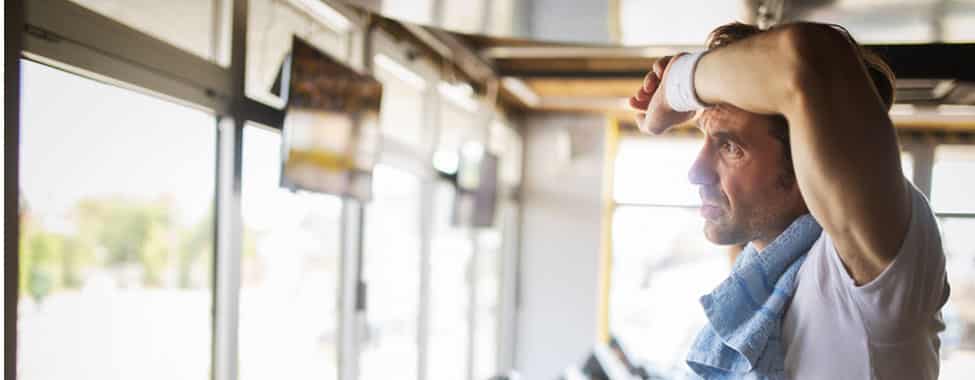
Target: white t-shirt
[886, 329]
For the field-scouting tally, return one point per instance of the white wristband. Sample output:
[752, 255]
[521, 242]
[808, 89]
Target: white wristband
[681, 96]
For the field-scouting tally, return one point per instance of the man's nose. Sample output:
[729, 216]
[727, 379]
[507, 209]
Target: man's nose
[702, 171]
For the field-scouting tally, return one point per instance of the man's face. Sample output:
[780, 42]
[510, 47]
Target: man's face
[746, 191]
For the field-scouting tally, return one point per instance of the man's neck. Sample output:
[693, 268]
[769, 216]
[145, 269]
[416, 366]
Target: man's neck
[759, 245]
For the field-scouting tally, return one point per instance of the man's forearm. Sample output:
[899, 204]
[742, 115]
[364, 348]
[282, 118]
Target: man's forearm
[759, 74]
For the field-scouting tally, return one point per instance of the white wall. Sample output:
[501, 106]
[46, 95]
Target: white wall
[560, 243]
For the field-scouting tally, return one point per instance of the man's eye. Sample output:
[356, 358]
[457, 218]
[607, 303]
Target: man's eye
[731, 148]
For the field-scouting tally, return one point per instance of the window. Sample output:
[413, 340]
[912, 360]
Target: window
[953, 178]
[187, 24]
[289, 271]
[907, 165]
[450, 265]
[669, 160]
[660, 255]
[391, 269]
[486, 311]
[117, 232]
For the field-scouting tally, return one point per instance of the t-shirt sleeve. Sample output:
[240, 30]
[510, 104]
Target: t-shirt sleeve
[908, 294]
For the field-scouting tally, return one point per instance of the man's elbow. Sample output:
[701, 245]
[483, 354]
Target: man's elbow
[813, 56]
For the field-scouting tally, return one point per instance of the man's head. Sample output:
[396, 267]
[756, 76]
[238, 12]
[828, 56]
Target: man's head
[744, 170]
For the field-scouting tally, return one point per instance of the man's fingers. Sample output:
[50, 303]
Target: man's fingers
[659, 66]
[639, 104]
[650, 82]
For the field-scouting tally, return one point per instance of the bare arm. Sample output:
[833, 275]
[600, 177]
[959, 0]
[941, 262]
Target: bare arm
[844, 147]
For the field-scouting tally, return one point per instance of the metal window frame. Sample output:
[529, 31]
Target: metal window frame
[13, 39]
[101, 48]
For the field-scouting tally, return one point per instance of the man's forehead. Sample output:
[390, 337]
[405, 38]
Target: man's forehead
[720, 117]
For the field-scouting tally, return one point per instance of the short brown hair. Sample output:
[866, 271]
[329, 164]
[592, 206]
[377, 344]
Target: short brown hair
[881, 75]
[880, 72]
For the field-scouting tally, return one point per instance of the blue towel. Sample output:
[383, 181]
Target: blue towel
[743, 339]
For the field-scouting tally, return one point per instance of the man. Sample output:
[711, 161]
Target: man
[795, 123]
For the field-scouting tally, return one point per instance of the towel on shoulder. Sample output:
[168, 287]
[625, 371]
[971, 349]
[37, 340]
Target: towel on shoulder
[743, 337]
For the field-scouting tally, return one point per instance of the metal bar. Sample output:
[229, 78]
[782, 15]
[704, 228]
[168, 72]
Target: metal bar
[106, 50]
[109, 38]
[955, 215]
[13, 39]
[509, 290]
[349, 290]
[227, 292]
[227, 252]
[472, 291]
[428, 186]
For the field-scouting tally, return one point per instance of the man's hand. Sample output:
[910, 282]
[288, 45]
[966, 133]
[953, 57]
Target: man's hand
[654, 115]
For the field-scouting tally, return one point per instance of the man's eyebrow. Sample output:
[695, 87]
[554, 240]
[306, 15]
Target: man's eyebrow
[725, 135]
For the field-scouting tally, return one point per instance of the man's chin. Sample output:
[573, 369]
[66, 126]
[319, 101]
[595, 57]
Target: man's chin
[722, 234]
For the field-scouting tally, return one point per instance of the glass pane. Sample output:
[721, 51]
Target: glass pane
[401, 116]
[271, 25]
[289, 271]
[958, 340]
[450, 259]
[661, 265]
[907, 165]
[456, 128]
[187, 24]
[117, 232]
[668, 159]
[506, 143]
[487, 317]
[953, 178]
[391, 270]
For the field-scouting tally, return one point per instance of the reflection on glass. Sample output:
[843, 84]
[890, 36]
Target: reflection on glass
[289, 271]
[116, 238]
[450, 260]
[952, 178]
[661, 261]
[185, 24]
[668, 159]
[391, 270]
[958, 339]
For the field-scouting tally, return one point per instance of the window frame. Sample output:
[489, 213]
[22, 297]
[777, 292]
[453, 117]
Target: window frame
[97, 47]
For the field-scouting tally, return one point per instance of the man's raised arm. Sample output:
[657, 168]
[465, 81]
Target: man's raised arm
[844, 146]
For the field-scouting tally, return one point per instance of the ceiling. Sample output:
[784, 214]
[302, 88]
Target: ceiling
[930, 44]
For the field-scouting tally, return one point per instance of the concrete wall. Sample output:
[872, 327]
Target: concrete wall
[560, 242]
